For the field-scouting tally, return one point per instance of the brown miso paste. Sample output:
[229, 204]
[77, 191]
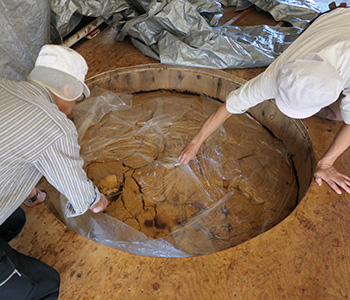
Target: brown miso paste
[241, 184]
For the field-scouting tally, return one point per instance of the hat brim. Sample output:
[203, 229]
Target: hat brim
[86, 90]
[60, 83]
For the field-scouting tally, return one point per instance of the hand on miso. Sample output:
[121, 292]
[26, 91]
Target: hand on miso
[101, 205]
[189, 153]
[215, 120]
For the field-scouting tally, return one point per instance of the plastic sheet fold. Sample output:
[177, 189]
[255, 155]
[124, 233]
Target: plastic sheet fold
[64, 10]
[297, 12]
[182, 32]
[184, 37]
[228, 47]
[241, 184]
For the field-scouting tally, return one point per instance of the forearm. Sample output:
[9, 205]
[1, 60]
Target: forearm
[63, 168]
[340, 143]
[215, 120]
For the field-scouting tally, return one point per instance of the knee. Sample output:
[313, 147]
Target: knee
[56, 282]
[21, 218]
[18, 221]
[52, 284]
[13, 225]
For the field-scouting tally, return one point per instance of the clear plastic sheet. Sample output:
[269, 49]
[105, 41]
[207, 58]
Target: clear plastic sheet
[241, 184]
[24, 29]
[111, 232]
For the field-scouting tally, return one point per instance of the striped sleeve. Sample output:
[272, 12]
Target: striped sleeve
[62, 166]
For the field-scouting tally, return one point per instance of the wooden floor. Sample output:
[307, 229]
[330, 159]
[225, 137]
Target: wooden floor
[304, 257]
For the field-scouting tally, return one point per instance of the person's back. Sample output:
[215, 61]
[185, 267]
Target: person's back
[29, 123]
[329, 36]
[25, 129]
[37, 139]
[307, 79]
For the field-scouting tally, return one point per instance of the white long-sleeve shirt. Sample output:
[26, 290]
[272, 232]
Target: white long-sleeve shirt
[328, 36]
[36, 140]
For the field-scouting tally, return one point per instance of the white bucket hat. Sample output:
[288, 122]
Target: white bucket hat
[62, 70]
[306, 85]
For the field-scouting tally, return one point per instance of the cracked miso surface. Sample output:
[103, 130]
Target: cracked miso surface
[241, 184]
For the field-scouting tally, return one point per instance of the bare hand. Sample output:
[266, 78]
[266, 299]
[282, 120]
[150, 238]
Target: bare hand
[40, 197]
[335, 179]
[188, 153]
[101, 205]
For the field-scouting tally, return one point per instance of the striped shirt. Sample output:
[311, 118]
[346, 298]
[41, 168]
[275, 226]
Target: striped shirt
[37, 139]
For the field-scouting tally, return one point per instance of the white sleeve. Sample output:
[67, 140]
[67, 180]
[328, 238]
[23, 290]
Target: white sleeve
[253, 92]
[345, 106]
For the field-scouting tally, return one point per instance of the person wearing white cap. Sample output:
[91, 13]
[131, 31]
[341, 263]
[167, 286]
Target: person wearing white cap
[38, 139]
[312, 77]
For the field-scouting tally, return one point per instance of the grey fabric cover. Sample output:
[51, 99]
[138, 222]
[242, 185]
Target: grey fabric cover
[178, 32]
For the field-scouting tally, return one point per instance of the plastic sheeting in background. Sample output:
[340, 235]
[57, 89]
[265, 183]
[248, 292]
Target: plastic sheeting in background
[66, 14]
[24, 29]
[182, 32]
[297, 12]
[240, 4]
[228, 47]
[241, 184]
[177, 32]
[179, 35]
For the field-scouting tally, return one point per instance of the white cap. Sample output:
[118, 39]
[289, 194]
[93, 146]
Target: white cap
[62, 70]
[306, 85]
